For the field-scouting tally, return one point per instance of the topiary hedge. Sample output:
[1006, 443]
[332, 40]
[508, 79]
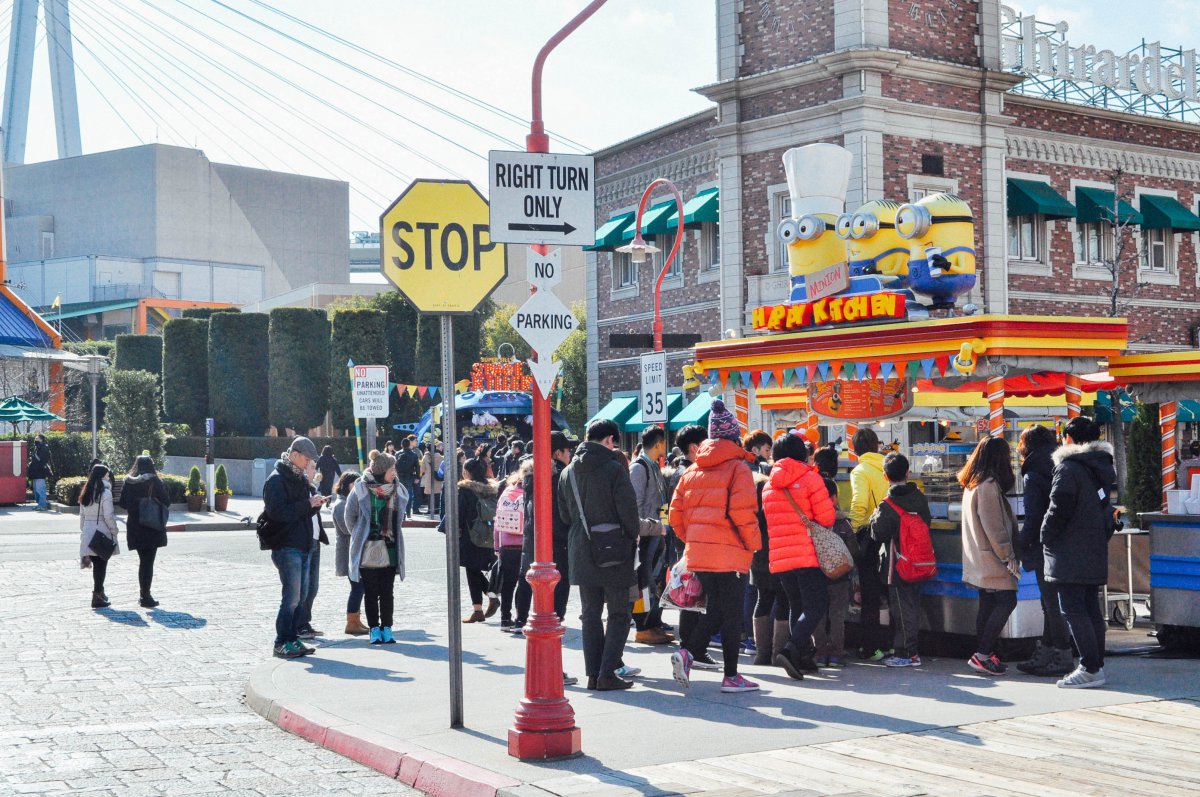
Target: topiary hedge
[131, 419]
[298, 341]
[357, 335]
[84, 347]
[70, 452]
[238, 370]
[1143, 462]
[185, 371]
[207, 312]
[67, 490]
[139, 353]
[344, 448]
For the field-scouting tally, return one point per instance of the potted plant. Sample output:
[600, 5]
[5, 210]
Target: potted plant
[221, 491]
[195, 490]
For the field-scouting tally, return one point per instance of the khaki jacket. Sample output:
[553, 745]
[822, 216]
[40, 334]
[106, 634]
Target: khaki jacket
[988, 531]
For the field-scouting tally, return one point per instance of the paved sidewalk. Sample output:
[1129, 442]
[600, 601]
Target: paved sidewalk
[386, 706]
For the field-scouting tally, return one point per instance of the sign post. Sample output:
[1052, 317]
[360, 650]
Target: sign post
[436, 248]
[210, 471]
[369, 387]
[653, 395]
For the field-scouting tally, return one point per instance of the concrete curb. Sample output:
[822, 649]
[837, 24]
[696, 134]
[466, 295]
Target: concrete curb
[423, 769]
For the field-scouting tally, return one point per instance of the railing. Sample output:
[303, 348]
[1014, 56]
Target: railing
[115, 293]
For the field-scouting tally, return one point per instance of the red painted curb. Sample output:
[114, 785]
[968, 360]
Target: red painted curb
[376, 756]
[442, 776]
[292, 722]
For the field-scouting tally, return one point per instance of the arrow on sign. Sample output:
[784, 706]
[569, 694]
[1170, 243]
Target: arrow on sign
[544, 370]
[564, 228]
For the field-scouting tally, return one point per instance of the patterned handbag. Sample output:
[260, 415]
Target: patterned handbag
[832, 554]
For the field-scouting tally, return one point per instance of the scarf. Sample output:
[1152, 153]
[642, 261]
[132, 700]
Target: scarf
[387, 492]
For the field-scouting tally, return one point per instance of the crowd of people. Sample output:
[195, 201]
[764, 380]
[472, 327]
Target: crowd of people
[748, 516]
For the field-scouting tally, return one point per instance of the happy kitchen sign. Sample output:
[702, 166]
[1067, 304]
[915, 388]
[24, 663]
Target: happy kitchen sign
[852, 309]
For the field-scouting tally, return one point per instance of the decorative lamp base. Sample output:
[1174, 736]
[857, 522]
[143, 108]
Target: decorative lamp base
[544, 745]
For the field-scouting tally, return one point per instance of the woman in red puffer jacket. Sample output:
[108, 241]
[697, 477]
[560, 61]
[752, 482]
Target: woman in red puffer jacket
[793, 558]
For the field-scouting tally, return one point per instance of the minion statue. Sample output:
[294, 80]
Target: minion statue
[817, 176]
[873, 246]
[940, 229]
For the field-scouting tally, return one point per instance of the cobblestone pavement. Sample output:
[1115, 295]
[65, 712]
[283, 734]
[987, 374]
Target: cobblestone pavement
[129, 701]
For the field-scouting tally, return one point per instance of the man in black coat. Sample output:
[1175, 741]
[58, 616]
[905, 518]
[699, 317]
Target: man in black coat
[1075, 535]
[293, 503]
[408, 465]
[605, 492]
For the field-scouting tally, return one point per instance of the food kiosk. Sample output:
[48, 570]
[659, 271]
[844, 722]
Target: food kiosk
[873, 320]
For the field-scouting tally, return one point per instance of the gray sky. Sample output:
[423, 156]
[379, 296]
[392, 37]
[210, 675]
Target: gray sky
[145, 76]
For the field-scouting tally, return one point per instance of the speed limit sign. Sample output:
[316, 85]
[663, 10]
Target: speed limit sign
[653, 396]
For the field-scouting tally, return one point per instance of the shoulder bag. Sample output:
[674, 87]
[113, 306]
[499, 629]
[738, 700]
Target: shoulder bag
[832, 554]
[152, 513]
[606, 540]
[101, 544]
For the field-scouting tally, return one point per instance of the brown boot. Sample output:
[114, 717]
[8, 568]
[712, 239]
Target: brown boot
[763, 639]
[783, 632]
[475, 617]
[354, 625]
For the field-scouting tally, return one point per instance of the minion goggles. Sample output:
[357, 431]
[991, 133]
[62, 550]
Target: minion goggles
[913, 221]
[806, 228]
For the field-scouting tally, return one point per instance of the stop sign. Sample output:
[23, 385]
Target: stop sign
[436, 247]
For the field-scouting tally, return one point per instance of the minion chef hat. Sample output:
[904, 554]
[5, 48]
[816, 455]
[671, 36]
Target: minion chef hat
[818, 176]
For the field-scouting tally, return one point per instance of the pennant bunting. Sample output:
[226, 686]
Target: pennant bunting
[848, 371]
[835, 369]
[801, 375]
[764, 378]
[824, 368]
[860, 370]
[433, 391]
[943, 364]
[411, 390]
[873, 369]
[914, 369]
[885, 371]
[779, 374]
[714, 377]
[400, 390]
[423, 390]
[812, 373]
[744, 378]
[927, 367]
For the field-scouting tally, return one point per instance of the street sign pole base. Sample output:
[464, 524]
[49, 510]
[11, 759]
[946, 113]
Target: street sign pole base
[544, 745]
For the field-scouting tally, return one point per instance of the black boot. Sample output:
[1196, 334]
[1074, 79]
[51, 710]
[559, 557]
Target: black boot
[790, 663]
[147, 601]
[100, 600]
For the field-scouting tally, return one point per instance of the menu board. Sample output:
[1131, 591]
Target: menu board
[861, 400]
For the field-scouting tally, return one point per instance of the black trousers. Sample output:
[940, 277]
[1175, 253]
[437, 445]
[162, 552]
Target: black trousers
[510, 574]
[871, 589]
[477, 582]
[724, 593]
[146, 568]
[1080, 604]
[995, 606]
[562, 590]
[1055, 632]
[99, 571]
[379, 590]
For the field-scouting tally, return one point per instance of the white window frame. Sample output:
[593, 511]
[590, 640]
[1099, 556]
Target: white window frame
[922, 185]
[1043, 266]
[1084, 267]
[623, 267]
[1037, 224]
[1146, 274]
[710, 246]
[780, 202]
[674, 277]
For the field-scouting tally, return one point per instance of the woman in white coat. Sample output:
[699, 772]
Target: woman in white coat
[430, 483]
[96, 515]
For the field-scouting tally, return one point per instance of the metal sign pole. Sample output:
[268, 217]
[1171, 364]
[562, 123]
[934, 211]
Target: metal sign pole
[450, 524]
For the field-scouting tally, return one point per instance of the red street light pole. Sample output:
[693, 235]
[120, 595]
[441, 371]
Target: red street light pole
[637, 249]
[544, 725]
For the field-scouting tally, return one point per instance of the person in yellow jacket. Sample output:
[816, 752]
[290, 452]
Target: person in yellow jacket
[869, 486]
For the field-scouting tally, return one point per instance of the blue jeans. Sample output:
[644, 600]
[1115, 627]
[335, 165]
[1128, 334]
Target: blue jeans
[354, 602]
[39, 493]
[293, 567]
[304, 612]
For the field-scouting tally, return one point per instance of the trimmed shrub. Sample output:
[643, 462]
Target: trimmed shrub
[238, 372]
[344, 448]
[185, 371]
[132, 419]
[67, 490]
[1143, 482]
[207, 312]
[84, 347]
[221, 482]
[195, 484]
[358, 335]
[298, 339]
[139, 353]
[70, 452]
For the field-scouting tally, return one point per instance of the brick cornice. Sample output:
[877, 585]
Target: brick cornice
[1101, 113]
[1067, 150]
[696, 161]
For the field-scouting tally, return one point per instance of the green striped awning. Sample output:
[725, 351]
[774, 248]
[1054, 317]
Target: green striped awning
[1166, 213]
[657, 220]
[1031, 197]
[635, 423]
[608, 236]
[619, 409]
[696, 412]
[703, 208]
[1096, 204]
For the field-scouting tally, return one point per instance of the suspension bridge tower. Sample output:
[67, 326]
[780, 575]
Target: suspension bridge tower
[19, 80]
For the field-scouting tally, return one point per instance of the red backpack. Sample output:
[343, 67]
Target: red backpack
[915, 560]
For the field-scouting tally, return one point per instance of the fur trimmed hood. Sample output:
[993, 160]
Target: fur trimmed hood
[481, 489]
[1096, 457]
[1076, 450]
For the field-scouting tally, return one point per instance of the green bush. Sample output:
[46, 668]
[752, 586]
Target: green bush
[207, 312]
[358, 335]
[1143, 466]
[176, 487]
[185, 371]
[67, 490]
[132, 419]
[84, 347]
[221, 482]
[238, 372]
[195, 485]
[299, 339]
[344, 448]
[139, 353]
[70, 452]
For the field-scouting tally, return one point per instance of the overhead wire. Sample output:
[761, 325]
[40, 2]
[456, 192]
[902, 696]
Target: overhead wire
[315, 97]
[288, 138]
[482, 104]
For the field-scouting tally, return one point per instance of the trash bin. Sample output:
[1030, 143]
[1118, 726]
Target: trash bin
[262, 469]
[12, 471]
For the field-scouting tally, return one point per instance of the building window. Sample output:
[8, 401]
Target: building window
[47, 245]
[1158, 247]
[624, 271]
[783, 210]
[1095, 242]
[710, 247]
[665, 242]
[1024, 238]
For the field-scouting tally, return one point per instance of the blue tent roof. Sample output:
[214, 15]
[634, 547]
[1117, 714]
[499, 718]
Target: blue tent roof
[496, 402]
[18, 329]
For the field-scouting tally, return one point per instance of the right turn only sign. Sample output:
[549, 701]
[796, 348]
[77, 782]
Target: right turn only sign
[542, 198]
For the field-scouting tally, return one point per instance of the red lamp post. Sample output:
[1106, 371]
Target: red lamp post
[544, 724]
[637, 249]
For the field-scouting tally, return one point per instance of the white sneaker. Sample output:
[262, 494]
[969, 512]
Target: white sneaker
[627, 672]
[1082, 679]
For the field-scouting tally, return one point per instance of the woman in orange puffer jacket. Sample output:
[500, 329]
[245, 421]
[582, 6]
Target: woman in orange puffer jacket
[715, 512]
[793, 557]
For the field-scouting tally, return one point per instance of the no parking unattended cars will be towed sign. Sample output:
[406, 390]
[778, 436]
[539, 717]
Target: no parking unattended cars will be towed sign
[542, 198]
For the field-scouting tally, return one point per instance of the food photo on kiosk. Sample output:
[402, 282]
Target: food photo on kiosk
[876, 335]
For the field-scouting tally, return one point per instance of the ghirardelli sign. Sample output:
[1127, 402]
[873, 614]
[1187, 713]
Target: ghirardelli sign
[1037, 54]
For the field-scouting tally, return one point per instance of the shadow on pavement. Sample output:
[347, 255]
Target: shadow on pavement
[433, 652]
[352, 672]
[124, 617]
[177, 619]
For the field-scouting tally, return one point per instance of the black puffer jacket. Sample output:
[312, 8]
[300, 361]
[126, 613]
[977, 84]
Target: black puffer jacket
[607, 497]
[1078, 524]
[285, 496]
[1037, 473]
[135, 488]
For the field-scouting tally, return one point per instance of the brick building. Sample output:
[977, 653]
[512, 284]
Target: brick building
[928, 95]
